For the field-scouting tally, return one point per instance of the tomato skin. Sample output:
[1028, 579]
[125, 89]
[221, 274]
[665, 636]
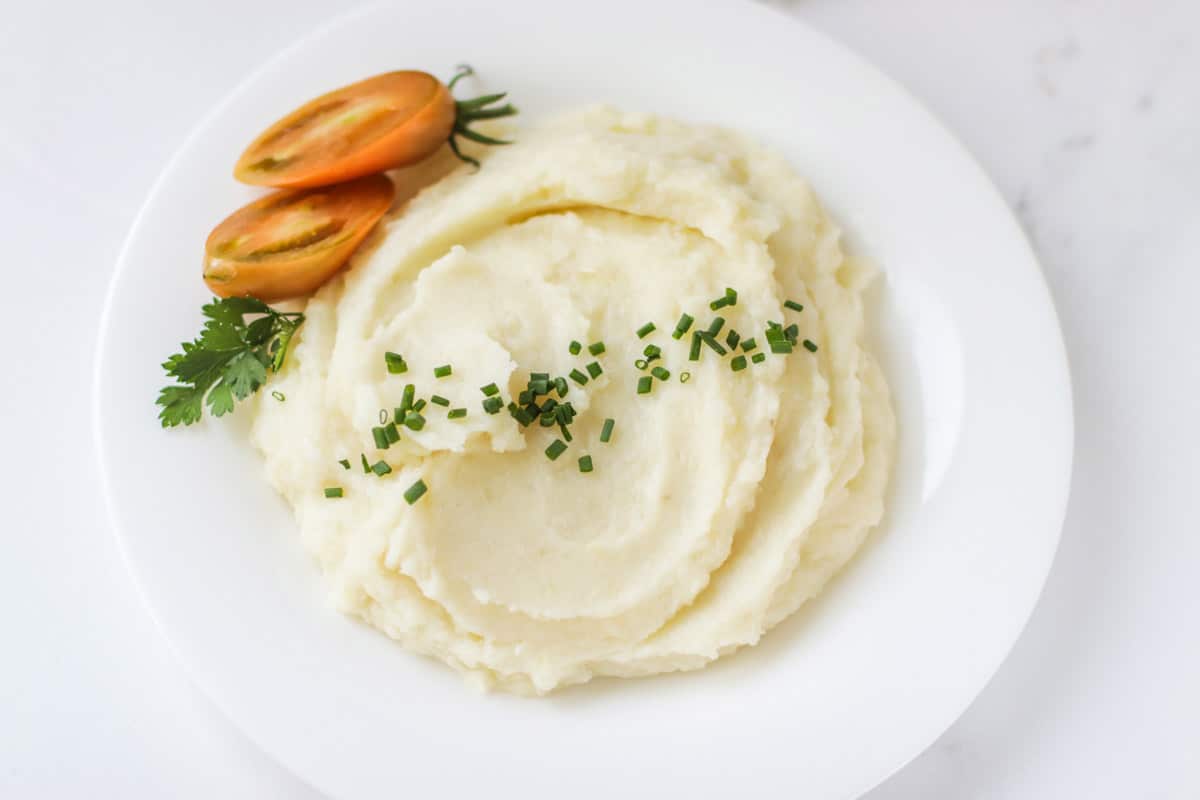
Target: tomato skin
[343, 217]
[418, 113]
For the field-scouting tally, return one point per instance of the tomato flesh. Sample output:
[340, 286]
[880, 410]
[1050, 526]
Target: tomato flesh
[377, 124]
[289, 243]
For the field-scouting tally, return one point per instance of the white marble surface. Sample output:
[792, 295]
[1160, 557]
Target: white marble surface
[1087, 114]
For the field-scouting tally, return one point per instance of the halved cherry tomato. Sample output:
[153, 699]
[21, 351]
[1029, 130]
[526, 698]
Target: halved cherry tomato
[289, 243]
[377, 124]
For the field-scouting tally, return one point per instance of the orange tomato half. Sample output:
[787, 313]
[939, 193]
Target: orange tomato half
[289, 243]
[377, 124]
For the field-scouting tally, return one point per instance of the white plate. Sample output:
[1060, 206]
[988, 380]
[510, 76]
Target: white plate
[832, 701]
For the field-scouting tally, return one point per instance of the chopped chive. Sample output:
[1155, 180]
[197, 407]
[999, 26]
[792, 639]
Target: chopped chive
[645, 330]
[737, 363]
[585, 464]
[419, 405]
[561, 386]
[720, 302]
[437, 399]
[782, 346]
[748, 344]
[525, 397]
[415, 492]
[645, 384]
[566, 434]
[442, 371]
[640, 363]
[710, 340]
[333, 491]
[594, 369]
[793, 305]
[758, 358]
[731, 296]
[549, 403]
[520, 415]
[380, 438]
[539, 386]
[392, 432]
[555, 449]
[791, 332]
[456, 413]
[732, 338]
[345, 463]
[606, 431]
[575, 348]
[773, 324]
[410, 392]
[652, 352]
[715, 326]
[278, 395]
[683, 326]
[579, 377]
[366, 466]
[596, 348]
[661, 374]
[395, 363]
[414, 421]
[491, 390]
[539, 376]
[380, 468]
[810, 345]
[684, 377]
[546, 419]
[492, 405]
[694, 354]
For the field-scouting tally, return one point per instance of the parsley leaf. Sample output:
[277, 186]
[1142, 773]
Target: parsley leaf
[228, 361]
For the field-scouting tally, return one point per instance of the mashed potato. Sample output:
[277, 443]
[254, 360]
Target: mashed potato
[718, 507]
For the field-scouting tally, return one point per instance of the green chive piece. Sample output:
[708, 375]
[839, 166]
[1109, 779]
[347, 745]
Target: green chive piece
[491, 390]
[414, 421]
[596, 348]
[380, 438]
[810, 345]
[710, 340]
[575, 348]
[522, 416]
[492, 405]
[345, 463]
[410, 392]
[606, 431]
[661, 374]
[442, 371]
[585, 464]
[594, 369]
[278, 395]
[781, 346]
[758, 358]
[732, 338]
[539, 386]
[415, 492]
[684, 377]
[556, 449]
[731, 296]
[419, 405]
[549, 403]
[720, 302]
[748, 345]
[645, 384]
[640, 363]
[715, 326]
[546, 419]
[645, 330]
[365, 465]
[380, 468]
[333, 491]
[456, 413]
[737, 363]
[525, 397]
[791, 332]
[395, 363]
[694, 354]
[652, 352]
[579, 377]
[437, 399]
[392, 432]
[566, 434]
[561, 386]
[683, 326]
[793, 305]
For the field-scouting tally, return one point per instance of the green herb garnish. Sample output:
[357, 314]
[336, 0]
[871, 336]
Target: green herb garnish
[443, 371]
[585, 463]
[333, 491]
[395, 363]
[645, 330]
[607, 430]
[415, 492]
[556, 449]
[596, 348]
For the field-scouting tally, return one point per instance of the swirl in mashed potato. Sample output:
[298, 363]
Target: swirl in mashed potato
[719, 506]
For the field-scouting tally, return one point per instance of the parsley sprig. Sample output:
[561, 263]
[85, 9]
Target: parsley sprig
[228, 361]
